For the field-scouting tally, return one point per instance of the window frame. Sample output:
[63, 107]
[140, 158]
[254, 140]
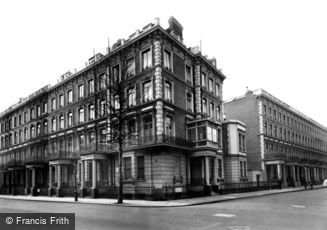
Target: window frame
[127, 161]
[169, 94]
[70, 96]
[90, 85]
[191, 74]
[61, 100]
[149, 62]
[140, 167]
[70, 119]
[81, 115]
[80, 90]
[150, 97]
[204, 105]
[130, 72]
[61, 122]
[168, 60]
[191, 103]
[53, 104]
[172, 125]
[210, 85]
[203, 80]
[91, 114]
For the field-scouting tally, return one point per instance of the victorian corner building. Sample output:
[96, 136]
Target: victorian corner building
[59, 134]
[282, 143]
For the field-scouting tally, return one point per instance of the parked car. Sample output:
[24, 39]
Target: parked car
[324, 183]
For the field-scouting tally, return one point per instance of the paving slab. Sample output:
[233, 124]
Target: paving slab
[170, 203]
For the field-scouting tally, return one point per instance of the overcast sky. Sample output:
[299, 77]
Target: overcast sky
[280, 46]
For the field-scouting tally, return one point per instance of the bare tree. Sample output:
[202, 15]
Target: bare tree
[113, 90]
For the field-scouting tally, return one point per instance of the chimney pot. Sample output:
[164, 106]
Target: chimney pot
[157, 21]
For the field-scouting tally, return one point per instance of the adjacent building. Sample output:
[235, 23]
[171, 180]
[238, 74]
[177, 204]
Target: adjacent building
[282, 143]
[174, 111]
[234, 148]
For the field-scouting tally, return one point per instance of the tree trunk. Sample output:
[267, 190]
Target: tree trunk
[120, 160]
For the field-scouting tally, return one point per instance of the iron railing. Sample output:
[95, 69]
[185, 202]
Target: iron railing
[135, 142]
[36, 159]
[63, 155]
[15, 162]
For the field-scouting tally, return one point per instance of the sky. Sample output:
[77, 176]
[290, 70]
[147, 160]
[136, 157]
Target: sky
[280, 45]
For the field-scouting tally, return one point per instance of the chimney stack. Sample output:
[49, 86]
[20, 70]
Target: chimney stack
[175, 28]
[156, 21]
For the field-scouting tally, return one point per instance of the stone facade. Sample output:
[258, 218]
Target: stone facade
[172, 117]
[282, 143]
[235, 157]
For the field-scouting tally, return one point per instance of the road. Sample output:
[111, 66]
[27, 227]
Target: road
[297, 210]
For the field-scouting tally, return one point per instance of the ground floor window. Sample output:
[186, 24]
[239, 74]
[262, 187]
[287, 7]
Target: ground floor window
[140, 167]
[127, 167]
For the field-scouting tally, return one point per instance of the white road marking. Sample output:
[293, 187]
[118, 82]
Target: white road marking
[239, 228]
[298, 206]
[224, 215]
[230, 197]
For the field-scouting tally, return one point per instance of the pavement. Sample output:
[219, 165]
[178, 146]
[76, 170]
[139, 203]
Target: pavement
[171, 203]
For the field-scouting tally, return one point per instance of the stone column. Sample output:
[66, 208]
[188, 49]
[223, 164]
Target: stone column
[59, 176]
[279, 171]
[206, 165]
[98, 169]
[203, 174]
[94, 173]
[94, 179]
[34, 189]
[188, 165]
[27, 185]
[82, 178]
[284, 175]
[33, 177]
[50, 176]
[13, 177]
[294, 174]
[59, 189]
[82, 174]
[215, 171]
[306, 173]
[50, 181]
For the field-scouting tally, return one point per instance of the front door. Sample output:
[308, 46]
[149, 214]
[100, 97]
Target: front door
[196, 171]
